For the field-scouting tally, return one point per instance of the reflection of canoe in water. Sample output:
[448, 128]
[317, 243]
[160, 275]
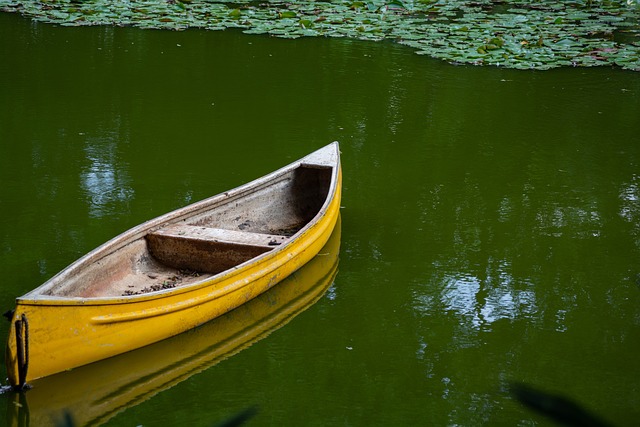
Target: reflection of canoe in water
[177, 271]
[94, 393]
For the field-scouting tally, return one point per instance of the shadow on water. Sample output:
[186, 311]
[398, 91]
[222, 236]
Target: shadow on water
[93, 394]
[558, 408]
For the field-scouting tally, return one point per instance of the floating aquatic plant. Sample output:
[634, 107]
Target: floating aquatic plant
[522, 34]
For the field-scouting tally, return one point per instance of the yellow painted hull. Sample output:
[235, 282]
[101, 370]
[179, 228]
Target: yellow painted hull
[63, 333]
[96, 394]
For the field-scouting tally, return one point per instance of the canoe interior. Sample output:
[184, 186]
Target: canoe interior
[231, 231]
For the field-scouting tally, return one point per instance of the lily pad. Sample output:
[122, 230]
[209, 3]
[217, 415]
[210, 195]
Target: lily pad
[516, 34]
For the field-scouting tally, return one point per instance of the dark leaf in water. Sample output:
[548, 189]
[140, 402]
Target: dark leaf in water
[66, 420]
[557, 408]
[239, 418]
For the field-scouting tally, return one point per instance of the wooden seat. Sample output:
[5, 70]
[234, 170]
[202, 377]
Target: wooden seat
[207, 249]
[183, 231]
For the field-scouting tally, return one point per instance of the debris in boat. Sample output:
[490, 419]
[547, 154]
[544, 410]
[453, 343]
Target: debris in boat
[189, 273]
[245, 225]
[261, 227]
[286, 231]
[170, 282]
[273, 242]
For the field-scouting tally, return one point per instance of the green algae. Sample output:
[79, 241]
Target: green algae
[515, 34]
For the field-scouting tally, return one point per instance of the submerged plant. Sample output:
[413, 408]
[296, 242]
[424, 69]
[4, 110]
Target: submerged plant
[516, 34]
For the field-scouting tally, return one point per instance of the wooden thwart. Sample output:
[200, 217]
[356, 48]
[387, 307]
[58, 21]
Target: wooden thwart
[208, 249]
[210, 234]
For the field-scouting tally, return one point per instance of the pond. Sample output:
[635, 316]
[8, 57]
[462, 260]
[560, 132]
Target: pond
[490, 227]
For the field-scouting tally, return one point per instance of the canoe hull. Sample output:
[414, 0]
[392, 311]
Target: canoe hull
[62, 334]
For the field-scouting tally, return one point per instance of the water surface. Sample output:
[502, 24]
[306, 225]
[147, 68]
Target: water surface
[490, 221]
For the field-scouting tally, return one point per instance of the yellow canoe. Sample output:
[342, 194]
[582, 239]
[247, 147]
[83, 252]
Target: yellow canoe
[178, 271]
[92, 394]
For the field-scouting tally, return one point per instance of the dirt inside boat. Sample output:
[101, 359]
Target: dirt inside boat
[201, 240]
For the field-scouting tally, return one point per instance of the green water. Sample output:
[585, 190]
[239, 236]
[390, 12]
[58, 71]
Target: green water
[490, 221]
